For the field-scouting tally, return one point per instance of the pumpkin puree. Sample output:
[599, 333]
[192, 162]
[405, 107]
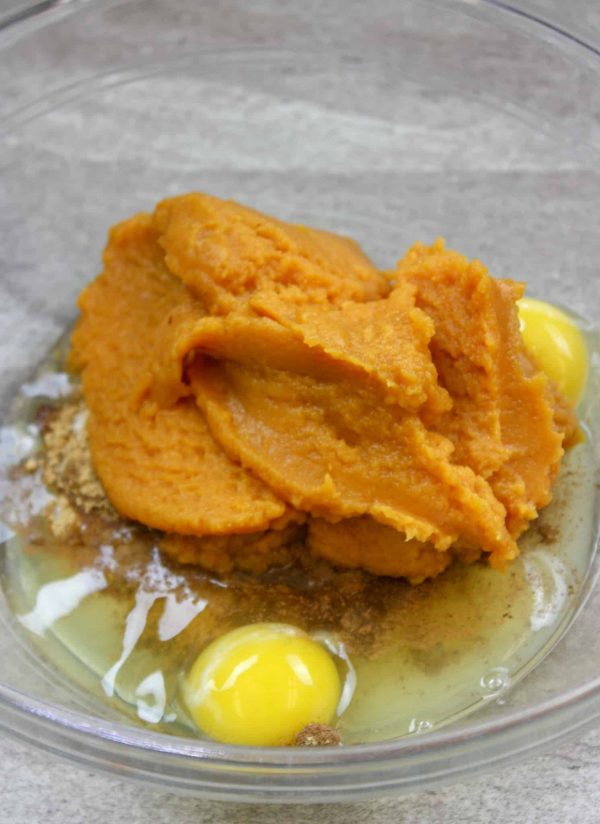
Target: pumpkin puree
[254, 386]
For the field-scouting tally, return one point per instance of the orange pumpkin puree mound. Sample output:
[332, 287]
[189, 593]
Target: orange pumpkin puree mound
[160, 466]
[245, 376]
[506, 421]
[228, 254]
[255, 552]
[380, 549]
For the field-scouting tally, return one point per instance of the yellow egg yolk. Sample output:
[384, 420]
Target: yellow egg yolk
[259, 685]
[556, 344]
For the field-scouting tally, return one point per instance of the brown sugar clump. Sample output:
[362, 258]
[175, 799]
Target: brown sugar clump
[318, 735]
[68, 464]
[63, 519]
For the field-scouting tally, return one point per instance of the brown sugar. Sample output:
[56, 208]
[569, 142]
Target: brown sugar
[63, 519]
[68, 469]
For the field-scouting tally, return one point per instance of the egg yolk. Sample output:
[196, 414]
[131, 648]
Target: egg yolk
[259, 685]
[556, 344]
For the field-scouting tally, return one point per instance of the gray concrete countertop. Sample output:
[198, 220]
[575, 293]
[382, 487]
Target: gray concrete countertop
[561, 786]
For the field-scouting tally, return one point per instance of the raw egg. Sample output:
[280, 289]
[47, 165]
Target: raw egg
[556, 344]
[259, 685]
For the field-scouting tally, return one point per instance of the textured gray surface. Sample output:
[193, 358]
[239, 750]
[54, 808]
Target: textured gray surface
[559, 787]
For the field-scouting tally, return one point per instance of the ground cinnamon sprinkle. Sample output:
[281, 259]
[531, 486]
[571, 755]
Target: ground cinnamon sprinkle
[318, 735]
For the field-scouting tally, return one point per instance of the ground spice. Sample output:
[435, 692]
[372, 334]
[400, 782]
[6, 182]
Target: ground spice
[67, 463]
[318, 735]
[368, 614]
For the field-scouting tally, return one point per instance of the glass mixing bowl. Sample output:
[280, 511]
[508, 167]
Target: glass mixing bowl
[390, 121]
